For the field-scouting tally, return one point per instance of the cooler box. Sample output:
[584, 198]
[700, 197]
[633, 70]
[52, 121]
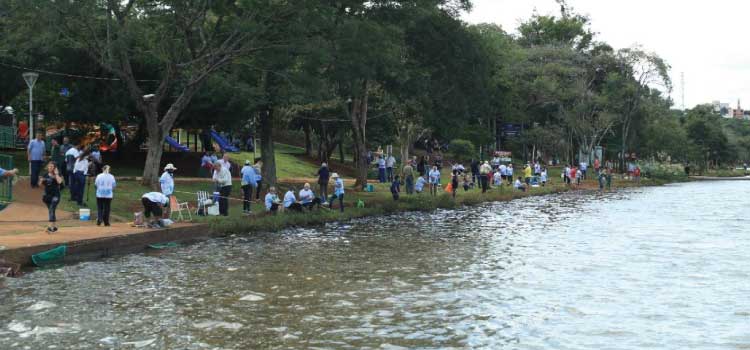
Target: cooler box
[84, 214]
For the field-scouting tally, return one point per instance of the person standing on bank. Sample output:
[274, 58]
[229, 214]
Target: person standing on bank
[105, 185]
[324, 176]
[434, 176]
[166, 181]
[408, 175]
[70, 160]
[258, 167]
[223, 180]
[248, 182]
[80, 171]
[338, 192]
[35, 153]
[51, 182]
[484, 173]
[381, 169]
[390, 162]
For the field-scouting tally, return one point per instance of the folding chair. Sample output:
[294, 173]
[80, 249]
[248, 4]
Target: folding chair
[201, 205]
[177, 207]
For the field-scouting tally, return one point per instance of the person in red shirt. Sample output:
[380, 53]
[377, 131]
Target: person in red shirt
[573, 174]
[637, 174]
[597, 165]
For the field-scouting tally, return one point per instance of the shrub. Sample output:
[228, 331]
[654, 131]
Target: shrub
[461, 149]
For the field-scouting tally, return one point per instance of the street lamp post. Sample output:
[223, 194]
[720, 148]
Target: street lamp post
[30, 79]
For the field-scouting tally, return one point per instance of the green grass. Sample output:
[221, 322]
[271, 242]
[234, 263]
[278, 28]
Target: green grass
[288, 162]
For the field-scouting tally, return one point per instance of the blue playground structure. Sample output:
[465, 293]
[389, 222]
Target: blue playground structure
[225, 146]
[176, 145]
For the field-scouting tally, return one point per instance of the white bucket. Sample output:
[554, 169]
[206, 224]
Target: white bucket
[84, 214]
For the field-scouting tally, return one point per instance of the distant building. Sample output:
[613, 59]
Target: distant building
[723, 109]
[739, 113]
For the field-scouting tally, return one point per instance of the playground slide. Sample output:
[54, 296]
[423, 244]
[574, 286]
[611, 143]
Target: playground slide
[225, 146]
[176, 145]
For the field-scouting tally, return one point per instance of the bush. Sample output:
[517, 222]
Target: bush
[461, 149]
[662, 171]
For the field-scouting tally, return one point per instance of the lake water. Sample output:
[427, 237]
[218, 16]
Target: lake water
[659, 268]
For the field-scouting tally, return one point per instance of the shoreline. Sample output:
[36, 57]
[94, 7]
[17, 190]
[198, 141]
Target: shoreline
[137, 241]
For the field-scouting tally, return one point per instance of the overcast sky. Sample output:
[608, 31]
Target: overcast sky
[703, 39]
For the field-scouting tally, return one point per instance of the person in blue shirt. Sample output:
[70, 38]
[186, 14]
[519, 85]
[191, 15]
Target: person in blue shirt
[434, 180]
[338, 191]
[381, 169]
[272, 200]
[258, 178]
[290, 201]
[35, 153]
[248, 183]
[8, 173]
[419, 185]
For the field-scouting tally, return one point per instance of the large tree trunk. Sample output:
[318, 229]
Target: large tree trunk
[308, 141]
[266, 147]
[152, 165]
[358, 115]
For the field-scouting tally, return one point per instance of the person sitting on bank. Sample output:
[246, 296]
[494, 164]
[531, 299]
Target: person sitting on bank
[419, 185]
[153, 202]
[520, 185]
[308, 198]
[290, 201]
[272, 200]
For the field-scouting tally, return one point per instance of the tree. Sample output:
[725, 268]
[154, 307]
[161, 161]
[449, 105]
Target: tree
[179, 43]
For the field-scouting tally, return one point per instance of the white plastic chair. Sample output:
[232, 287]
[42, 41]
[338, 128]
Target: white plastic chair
[202, 202]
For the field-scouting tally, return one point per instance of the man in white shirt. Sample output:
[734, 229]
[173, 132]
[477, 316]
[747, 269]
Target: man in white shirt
[153, 202]
[308, 198]
[225, 163]
[290, 201]
[503, 172]
[390, 162]
[70, 160]
[223, 180]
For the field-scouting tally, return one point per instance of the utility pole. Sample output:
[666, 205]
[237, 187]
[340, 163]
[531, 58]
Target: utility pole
[682, 87]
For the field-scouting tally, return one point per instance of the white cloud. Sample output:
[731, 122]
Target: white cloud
[702, 39]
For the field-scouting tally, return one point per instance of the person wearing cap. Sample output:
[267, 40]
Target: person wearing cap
[166, 182]
[247, 183]
[153, 202]
[105, 185]
[308, 198]
[272, 201]
[484, 173]
[324, 176]
[338, 192]
[223, 180]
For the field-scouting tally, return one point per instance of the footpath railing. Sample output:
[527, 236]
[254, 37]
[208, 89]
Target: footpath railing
[6, 183]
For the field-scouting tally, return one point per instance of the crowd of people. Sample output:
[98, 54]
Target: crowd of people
[70, 165]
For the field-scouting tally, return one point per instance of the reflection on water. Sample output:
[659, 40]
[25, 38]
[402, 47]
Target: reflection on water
[662, 268]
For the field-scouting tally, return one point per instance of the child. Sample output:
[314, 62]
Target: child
[396, 187]
[543, 176]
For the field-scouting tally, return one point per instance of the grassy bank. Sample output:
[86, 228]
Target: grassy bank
[379, 202]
